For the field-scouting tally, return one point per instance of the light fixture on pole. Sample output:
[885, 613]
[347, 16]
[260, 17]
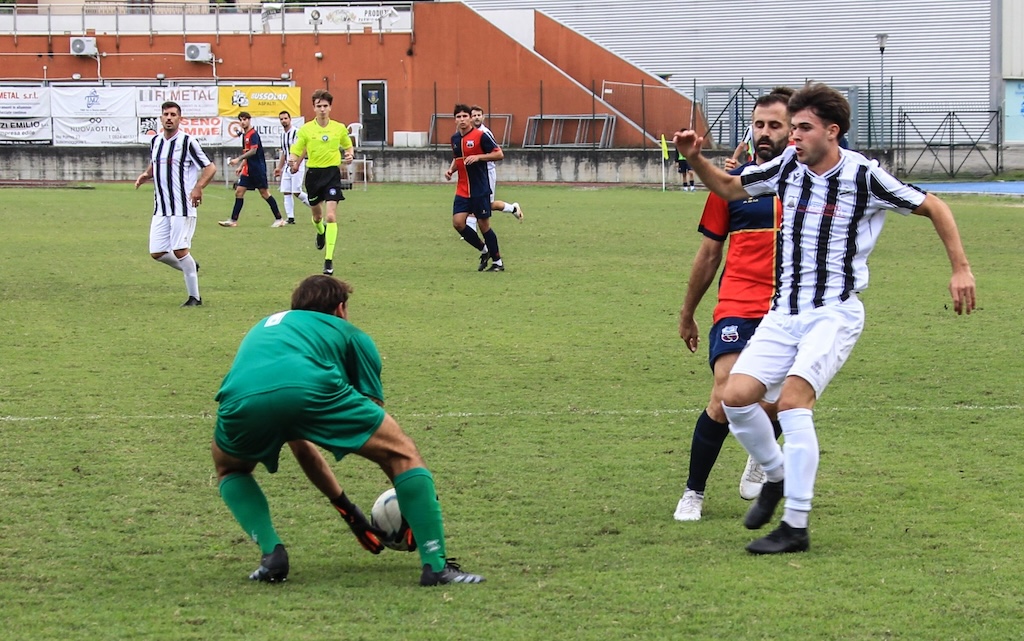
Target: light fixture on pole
[76, 76]
[882, 38]
[161, 77]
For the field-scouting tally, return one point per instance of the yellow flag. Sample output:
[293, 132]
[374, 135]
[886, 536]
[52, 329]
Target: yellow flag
[664, 148]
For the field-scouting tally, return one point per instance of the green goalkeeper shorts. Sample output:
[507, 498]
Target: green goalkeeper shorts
[256, 427]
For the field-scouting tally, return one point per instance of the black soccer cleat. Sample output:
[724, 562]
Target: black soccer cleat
[328, 267]
[321, 240]
[782, 540]
[291, 221]
[484, 257]
[496, 267]
[192, 302]
[273, 567]
[450, 573]
[760, 513]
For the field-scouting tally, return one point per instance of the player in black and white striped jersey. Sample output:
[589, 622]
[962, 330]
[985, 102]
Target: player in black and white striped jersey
[179, 169]
[291, 182]
[834, 202]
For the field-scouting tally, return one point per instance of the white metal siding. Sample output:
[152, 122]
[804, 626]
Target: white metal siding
[939, 53]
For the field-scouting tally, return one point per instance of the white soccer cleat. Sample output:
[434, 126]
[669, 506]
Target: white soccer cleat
[280, 222]
[689, 506]
[752, 480]
[517, 212]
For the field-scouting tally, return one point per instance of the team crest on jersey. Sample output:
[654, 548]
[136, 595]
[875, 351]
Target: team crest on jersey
[730, 333]
[325, 137]
[332, 191]
[470, 144]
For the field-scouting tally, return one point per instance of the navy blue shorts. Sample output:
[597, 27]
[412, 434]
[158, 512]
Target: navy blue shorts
[258, 181]
[728, 336]
[479, 206]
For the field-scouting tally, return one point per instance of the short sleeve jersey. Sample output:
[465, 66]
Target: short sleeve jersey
[322, 144]
[830, 224]
[256, 164]
[751, 228]
[311, 350]
[473, 178]
[177, 162]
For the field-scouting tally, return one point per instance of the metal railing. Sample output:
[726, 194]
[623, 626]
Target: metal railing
[126, 18]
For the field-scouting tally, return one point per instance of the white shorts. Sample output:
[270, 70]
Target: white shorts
[169, 233]
[492, 176]
[292, 183]
[812, 345]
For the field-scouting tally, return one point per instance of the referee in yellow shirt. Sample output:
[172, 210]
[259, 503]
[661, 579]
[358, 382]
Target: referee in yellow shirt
[323, 141]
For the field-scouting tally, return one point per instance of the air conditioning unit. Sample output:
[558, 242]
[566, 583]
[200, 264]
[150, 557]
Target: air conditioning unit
[198, 52]
[82, 46]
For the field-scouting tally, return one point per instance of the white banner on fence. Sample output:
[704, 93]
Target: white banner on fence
[94, 132]
[24, 102]
[268, 128]
[92, 102]
[195, 102]
[353, 17]
[25, 131]
[209, 131]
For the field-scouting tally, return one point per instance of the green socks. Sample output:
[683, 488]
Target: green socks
[248, 504]
[332, 238]
[319, 224]
[417, 498]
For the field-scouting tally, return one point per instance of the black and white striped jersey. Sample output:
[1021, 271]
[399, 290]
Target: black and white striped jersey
[830, 223]
[288, 139]
[177, 162]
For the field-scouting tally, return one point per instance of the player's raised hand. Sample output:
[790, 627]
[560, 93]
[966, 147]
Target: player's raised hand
[688, 143]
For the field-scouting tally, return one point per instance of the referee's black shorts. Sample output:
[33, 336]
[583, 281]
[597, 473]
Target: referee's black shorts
[323, 184]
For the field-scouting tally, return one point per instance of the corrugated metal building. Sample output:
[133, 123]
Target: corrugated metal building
[939, 55]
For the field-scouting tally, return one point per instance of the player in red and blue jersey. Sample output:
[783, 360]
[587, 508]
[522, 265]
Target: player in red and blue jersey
[745, 291]
[252, 173]
[472, 149]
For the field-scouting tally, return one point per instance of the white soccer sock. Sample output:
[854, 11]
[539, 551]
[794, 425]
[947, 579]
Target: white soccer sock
[188, 265]
[801, 454]
[753, 429]
[170, 259]
[289, 205]
[508, 208]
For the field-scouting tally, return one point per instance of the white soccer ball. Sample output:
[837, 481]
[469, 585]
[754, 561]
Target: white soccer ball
[386, 515]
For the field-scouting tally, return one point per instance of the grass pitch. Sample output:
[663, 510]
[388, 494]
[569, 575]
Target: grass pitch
[554, 404]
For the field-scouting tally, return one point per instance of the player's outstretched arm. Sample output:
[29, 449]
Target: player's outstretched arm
[961, 284]
[689, 144]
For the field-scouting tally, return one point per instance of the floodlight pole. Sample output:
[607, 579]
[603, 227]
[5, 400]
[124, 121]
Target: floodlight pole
[881, 38]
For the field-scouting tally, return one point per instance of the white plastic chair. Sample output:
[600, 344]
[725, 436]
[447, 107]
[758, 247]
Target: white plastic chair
[355, 131]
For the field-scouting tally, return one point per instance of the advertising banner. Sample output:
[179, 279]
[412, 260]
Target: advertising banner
[195, 102]
[259, 101]
[94, 132]
[24, 102]
[209, 131]
[355, 17]
[268, 128]
[92, 102]
[25, 131]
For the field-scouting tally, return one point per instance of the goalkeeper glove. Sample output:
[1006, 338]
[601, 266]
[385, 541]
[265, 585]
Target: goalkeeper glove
[368, 536]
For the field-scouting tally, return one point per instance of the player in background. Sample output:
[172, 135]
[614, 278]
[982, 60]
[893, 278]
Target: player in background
[325, 143]
[472, 149]
[308, 375]
[477, 114]
[745, 289]
[252, 173]
[291, 183]
[834, 204]
[179, 169]
[685, 173]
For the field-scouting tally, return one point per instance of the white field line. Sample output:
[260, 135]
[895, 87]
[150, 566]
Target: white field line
[511, 413]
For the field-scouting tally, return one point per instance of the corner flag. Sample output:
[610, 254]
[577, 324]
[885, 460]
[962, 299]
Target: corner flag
[664, 148]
